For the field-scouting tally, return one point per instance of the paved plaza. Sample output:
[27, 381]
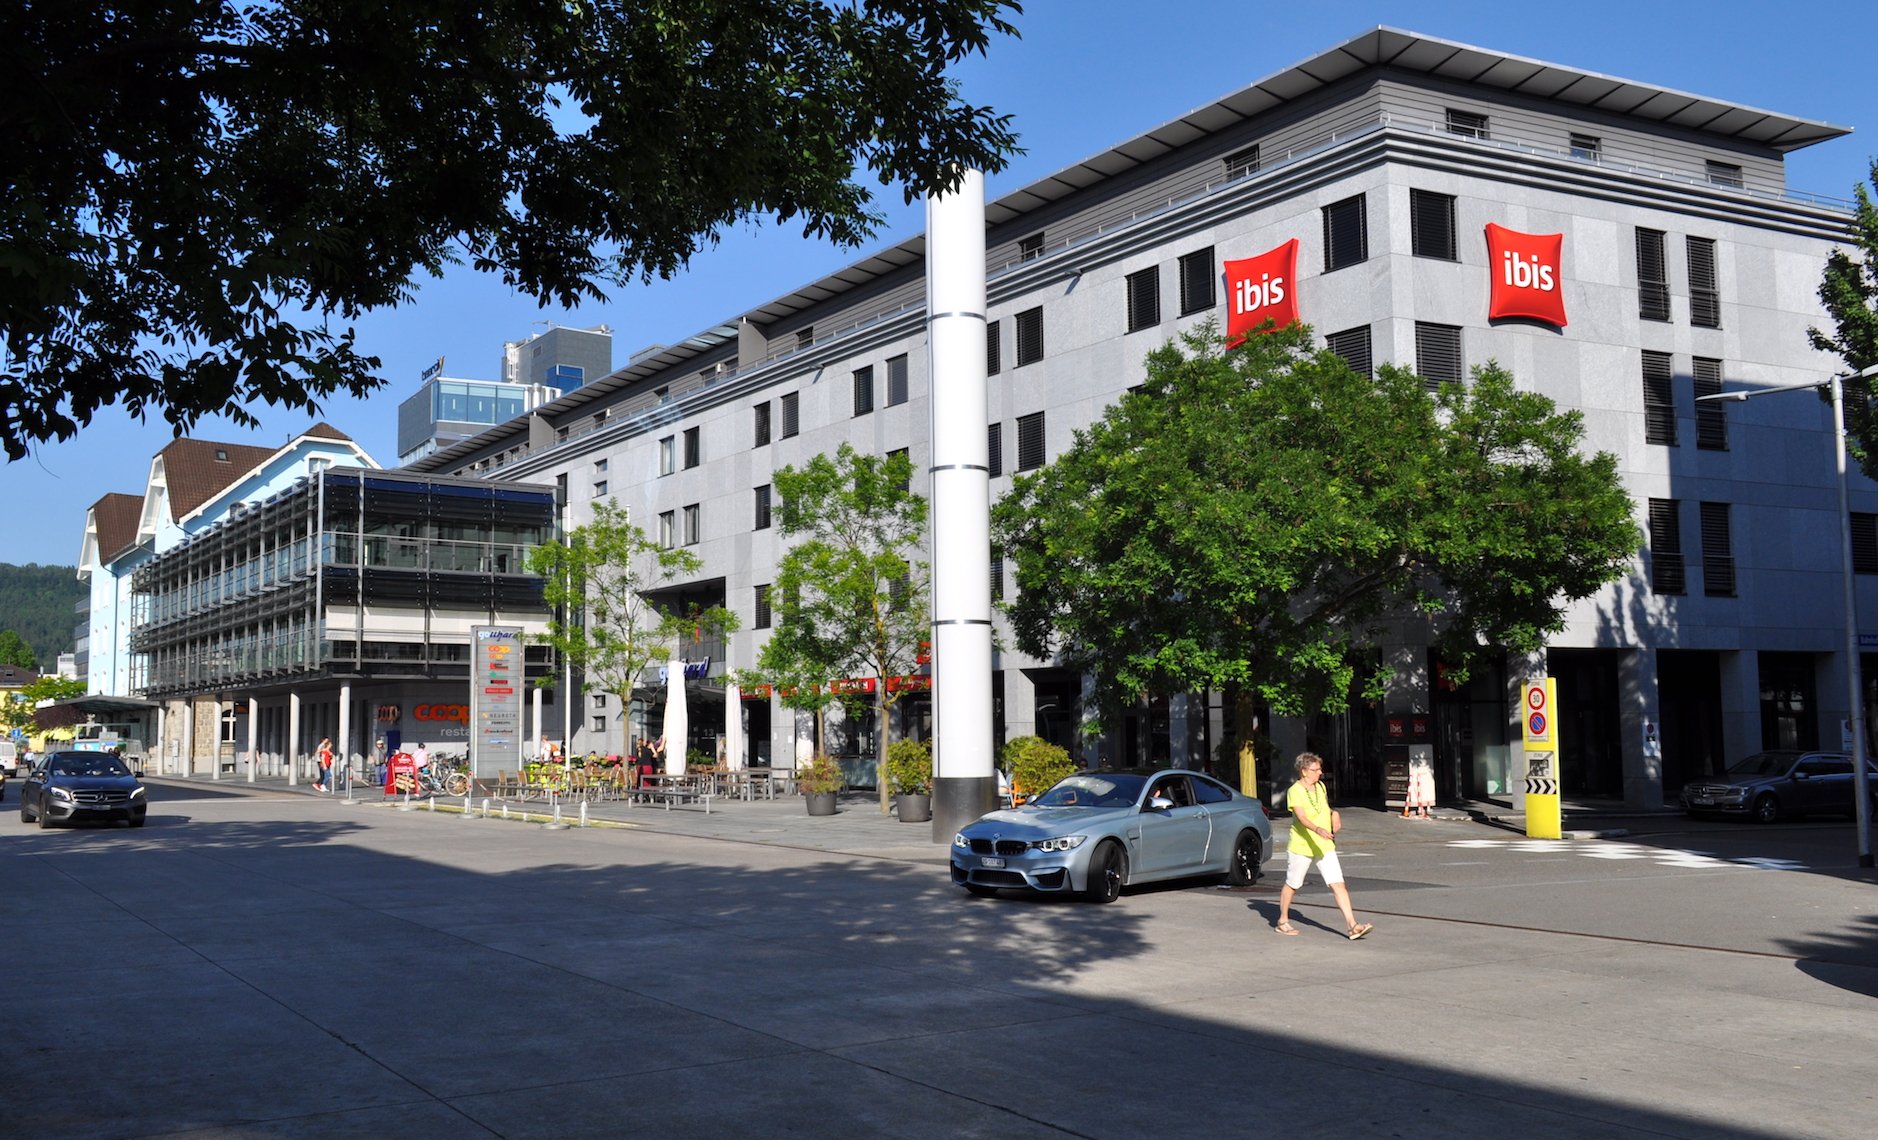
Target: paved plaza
[260, 961]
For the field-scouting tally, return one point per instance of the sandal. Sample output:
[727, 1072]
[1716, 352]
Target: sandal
[1359, 930]
[1286, 928]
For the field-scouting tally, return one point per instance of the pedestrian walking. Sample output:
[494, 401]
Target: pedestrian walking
[325, 782]
[1314, 828]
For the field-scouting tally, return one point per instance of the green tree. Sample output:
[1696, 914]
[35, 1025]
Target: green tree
[1256, 516]
[19, 708]
[201, 195]
[1849, 290]
[853, 593]
[596, 580]
[15, 651]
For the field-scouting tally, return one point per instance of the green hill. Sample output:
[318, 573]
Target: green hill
[37, 602]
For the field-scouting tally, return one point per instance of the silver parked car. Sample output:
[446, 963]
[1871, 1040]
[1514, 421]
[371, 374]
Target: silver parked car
[1768, 785]
[1096, 832]
[82, 787]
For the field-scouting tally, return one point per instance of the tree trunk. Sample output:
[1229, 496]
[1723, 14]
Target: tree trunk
[880, 750]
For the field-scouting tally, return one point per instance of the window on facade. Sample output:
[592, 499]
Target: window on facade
[1725, 174]
[1718, 556]
[692, 525]
[791, 414]
[599, 465]
[1438, 354]
[1711, 420]
[997, 577]
[599, 488]
[599, 722]
[1030, 442]
[1587, 147]
[1652, 276]
[1666, 572]
[994, 449]
[863, 390]
[805, 336]
[1467, 123]
[668, 455]
[1659, 399]
[896, 381]
[994, 348]
[903, 453]
[761, 618]
[668, 529]
[1144, 299]
[1030, 248]
[1242, 162]
[1704, 297]
[762, 507]
[1198, 282]
[1030, 336]
[1431, 224]
[1346, 233]
[762, 423]
[1353, 346]
[691, 448]
[1864, 543]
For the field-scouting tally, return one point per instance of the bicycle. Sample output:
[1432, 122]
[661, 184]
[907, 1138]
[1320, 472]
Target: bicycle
[453, 782]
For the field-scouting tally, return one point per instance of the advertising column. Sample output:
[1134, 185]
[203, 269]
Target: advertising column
[1543, 817]
[495, 742]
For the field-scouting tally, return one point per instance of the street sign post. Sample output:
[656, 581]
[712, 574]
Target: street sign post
[1539, 723]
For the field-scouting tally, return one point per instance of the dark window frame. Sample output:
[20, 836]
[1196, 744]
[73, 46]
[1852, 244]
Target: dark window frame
[1199, 281]
[1144, 299]
[1346, 233]
[764, 512]
[1718, 556]
[791, 414]
[760, 424]
[1652, 275]
[1711, 418]
[994, 348]
[1030, 442]
[1667, 573]
[1356, 346]
[864, 390]
[1030, 336]
[897, 381]
[1704, 288]
[1432, 225]
[1659, 398]
[1438, 354]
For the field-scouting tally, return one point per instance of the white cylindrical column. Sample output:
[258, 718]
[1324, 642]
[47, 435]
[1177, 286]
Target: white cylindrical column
[254, 721]
[293, 738]
[964, 783]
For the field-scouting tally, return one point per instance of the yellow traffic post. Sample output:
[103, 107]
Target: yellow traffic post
[1538, 718]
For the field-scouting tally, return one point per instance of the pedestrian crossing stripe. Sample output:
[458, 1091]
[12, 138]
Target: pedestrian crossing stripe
[1661, 857]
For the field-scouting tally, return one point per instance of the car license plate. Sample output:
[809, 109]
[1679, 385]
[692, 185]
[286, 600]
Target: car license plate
[990, 861]
[1703, 801]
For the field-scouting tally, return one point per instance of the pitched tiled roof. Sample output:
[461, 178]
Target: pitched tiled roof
[14, 677]
[195, 470]
[324, 430]
[116, 517]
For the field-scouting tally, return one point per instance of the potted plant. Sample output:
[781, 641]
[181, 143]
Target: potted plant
[909, 767]
[818, 781]
[1034, 764]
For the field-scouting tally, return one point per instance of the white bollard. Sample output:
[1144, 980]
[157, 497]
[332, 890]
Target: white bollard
[583, 813]
[556, 825]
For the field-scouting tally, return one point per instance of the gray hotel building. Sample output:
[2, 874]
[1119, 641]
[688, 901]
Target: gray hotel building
[1679, 263]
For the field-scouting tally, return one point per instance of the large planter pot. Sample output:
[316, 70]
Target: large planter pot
[821, 803]
[914, 809]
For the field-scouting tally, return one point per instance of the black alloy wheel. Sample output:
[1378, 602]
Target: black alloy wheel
[1766, 808]
[1108, 870]
[1243, 871]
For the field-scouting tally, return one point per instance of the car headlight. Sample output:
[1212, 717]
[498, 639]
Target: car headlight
[60, 794]
[136, 792]
[961, 842]
[1059, 843]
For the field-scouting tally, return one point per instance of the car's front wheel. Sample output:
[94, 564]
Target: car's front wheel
[44, 823]
[1108, 870]
[1766, 808]
[1247, 853]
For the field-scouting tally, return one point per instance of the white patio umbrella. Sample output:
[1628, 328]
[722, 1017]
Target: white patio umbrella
[733, 727]
[677, 724]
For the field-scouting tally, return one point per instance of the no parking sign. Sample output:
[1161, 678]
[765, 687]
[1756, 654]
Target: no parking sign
[1539, 720]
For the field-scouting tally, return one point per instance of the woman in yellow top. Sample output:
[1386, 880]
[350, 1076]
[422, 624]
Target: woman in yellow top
[1314, 828]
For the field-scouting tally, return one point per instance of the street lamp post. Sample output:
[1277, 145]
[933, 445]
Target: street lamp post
[1855, 684]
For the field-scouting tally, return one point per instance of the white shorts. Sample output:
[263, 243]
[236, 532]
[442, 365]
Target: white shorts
[1297, 863]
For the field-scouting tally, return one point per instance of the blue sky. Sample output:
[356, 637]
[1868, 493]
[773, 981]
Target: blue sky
[1084, 76]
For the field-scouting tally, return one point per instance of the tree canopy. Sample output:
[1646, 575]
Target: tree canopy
[598, 579]
[1849, 290]
[851, 596]
[15, 651]
[1257, 516]
[201, 194]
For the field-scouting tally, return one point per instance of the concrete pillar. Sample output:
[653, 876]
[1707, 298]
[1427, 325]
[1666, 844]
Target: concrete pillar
[292, 749]
[254, 721]
[1741, 704]
[215, 738]
[964, 784]
[188, 750]
[1640, 722]
[1020, 704]
[342, 742]
[162, 738]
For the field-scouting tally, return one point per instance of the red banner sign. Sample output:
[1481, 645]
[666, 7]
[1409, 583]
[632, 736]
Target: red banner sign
[1528, 277]
[1261, 288]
